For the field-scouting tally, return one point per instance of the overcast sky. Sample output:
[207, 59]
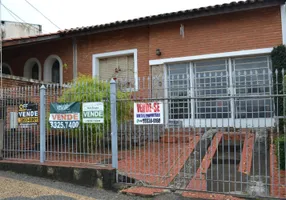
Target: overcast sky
[76, 13]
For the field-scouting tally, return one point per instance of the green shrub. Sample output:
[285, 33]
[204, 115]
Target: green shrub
[88, 89]
[280, 151]
[278, 58]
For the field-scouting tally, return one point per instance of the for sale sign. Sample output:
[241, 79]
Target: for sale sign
[93, 112]
[148, 113]
[28, 114]
[64, 115]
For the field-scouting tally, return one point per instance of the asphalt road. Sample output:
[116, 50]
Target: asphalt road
[22, 187]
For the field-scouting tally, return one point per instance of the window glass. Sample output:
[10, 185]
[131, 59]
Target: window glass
[35, 71]
[179, 86]
[56, 72]
[212, 80]
[119, 67]
[252, 78]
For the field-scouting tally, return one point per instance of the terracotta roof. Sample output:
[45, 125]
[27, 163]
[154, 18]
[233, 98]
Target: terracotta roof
[30, 37]
[191, 13]
[154, 19]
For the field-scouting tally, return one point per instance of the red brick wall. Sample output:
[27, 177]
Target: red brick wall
[135, 38]
[16, 57]
[259, 28]
[222, 33]
[11, 81]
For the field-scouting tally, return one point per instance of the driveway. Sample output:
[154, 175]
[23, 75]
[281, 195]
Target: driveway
[22, 187]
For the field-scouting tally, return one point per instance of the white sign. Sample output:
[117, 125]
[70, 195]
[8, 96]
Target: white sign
[93, 112]
[148, 113]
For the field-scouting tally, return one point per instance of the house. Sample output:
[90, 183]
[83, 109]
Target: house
[17, 29]
[221, 50]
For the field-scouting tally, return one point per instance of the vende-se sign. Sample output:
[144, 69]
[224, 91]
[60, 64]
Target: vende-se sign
[28, 114]
[93, 112]
[64, 115]
[148, 113]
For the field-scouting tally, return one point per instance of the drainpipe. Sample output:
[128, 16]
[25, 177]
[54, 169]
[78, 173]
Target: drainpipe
[283, 22]
[74, 48]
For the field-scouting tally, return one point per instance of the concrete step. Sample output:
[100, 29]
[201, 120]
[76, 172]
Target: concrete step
[178, 138]
[226, 178]
[230, 145]
[227, 158]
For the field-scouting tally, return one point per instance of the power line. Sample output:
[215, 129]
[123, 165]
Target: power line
[13, 15]
[10, 11]
[19, 18]
[42, 14]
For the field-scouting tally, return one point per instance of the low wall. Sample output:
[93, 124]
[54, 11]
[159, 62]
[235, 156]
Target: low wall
[92, 177]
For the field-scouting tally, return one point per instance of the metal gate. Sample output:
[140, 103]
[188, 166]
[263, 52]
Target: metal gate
[32, 138]
[186, 131]
[211, 139]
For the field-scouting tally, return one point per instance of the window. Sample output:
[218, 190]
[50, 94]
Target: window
[252, 78]
[35, 71]
[53, 69]
[6, 70]
[56, 72]
[32, 69]
[179, 84]
[211, 89]
[121, 65]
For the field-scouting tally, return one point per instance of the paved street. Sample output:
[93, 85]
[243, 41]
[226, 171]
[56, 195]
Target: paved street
[22, 187]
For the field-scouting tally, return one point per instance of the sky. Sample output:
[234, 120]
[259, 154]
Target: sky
[76, 13]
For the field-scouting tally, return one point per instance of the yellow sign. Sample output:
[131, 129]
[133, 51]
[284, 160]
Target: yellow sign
[28, 114]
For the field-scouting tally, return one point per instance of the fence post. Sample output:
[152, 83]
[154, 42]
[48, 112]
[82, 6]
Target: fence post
[42, 123]
[114, 147]
[2, 121]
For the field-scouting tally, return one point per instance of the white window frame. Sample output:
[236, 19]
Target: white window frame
[9, 67]
[48, 65]
[28, 68]
[97, 57]
[217, 122]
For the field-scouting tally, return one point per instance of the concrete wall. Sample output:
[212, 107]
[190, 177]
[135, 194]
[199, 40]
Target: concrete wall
[16, 29]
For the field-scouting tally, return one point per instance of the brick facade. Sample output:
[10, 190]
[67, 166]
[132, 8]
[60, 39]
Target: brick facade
[252, 29]
[17, 57]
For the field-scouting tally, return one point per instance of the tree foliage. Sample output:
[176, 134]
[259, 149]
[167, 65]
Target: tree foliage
[278, 57]
[88, 89]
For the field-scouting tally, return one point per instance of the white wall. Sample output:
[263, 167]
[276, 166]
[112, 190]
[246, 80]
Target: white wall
[16, 29]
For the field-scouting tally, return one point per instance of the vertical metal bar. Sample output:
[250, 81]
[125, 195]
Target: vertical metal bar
[113, 124]
[42, 123]
[2, 121]
[269, 85]
[20, 98]
[2, 125]
[278, 129]
[108, 124]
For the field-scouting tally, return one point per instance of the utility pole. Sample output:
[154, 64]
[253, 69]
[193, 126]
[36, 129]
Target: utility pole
[1, 52]
[1, 91]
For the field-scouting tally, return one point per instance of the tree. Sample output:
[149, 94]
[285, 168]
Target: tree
[278, 57]
[88, 89]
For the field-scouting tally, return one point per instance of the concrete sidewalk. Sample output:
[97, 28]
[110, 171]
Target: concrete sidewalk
[22, 187]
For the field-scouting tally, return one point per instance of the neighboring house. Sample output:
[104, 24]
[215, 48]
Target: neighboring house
[18, 29]
[217, 50]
